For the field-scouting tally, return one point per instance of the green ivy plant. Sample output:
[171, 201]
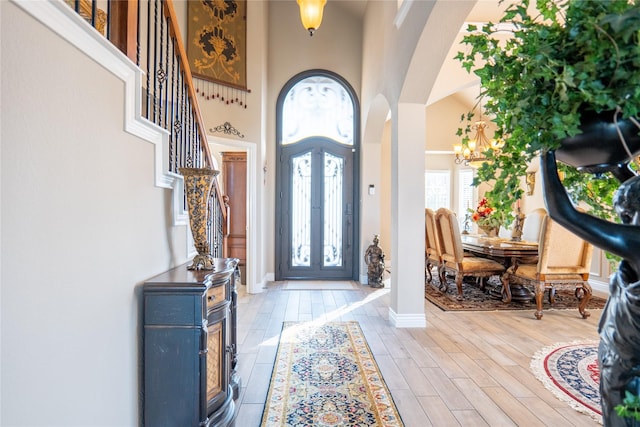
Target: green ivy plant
[630, 407]
[564, 58]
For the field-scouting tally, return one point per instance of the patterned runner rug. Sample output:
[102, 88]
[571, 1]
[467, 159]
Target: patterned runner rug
[325, 375]
[570, 371]
[474, 299]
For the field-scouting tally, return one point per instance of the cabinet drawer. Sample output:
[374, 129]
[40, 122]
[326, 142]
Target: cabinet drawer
[216, 295]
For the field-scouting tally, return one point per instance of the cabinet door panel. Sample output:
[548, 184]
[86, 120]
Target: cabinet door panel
[215, 353]
[172, 367]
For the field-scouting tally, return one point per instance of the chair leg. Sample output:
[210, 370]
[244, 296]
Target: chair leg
[582, 308]
[443, 279]
[506, 287]
[459, 286]
[427, 272]
[539, 290]
[552, 295]
[441, 273]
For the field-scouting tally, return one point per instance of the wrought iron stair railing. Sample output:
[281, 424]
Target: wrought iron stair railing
[147, 32]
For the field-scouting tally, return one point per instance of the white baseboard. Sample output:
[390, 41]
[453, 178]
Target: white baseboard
[417, 320]
[600, 288]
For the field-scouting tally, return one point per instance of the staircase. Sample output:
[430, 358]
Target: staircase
[140, 42]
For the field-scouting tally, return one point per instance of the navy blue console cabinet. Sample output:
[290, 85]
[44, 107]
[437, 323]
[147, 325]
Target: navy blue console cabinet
[190, 347]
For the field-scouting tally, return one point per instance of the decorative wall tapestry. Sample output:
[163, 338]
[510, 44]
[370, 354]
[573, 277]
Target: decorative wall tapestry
[216, 48]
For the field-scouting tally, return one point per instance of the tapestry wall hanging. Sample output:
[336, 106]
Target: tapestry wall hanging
[217, 41]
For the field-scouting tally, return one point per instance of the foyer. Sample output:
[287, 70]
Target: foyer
[87, 214]
[463, 369]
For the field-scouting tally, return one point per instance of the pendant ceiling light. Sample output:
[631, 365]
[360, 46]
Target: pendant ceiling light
[311, 13]
[473, 151]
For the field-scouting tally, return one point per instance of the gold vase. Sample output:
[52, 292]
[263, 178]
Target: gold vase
[197, 187]
[489, 231]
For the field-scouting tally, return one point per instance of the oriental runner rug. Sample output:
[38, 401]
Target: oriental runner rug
[570, 371]
[325, 375]
[475, 299]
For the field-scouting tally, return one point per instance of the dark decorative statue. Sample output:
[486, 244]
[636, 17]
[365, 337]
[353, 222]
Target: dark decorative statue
[374, 258]
[619, 328]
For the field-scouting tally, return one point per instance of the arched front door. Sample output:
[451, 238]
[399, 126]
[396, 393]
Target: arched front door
[316, 184]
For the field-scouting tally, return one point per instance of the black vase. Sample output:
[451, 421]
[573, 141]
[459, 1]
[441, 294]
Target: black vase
[598, 148]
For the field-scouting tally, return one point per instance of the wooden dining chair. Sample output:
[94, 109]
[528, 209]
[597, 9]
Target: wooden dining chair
[563, 258]
[454, 259]
[432, 255]
[533, 225]
[531, 230]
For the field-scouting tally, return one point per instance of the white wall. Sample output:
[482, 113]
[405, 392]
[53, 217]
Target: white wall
[82, 226]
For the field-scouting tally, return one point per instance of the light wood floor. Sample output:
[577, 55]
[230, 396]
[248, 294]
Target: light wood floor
[464, 368]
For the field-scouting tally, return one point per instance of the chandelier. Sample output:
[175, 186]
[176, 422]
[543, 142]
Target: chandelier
[311, 14]
[472, 152]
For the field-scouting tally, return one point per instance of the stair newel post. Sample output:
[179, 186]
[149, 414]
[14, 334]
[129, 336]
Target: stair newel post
[198, 183]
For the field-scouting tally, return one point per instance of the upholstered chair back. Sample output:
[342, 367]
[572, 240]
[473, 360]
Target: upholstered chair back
[432, 248]
[533, 225]
[449, 236]
[561, 251]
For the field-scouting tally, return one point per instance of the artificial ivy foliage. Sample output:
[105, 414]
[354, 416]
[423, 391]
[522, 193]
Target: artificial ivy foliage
[564, 58]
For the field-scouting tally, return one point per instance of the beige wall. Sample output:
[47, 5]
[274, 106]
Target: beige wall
[82, 226]
[443, 120]
[385, 192]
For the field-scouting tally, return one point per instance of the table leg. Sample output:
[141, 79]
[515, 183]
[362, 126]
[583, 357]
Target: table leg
[506, 288]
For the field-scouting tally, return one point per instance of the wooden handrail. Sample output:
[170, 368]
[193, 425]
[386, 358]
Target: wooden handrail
[182, 56]
[123, 27]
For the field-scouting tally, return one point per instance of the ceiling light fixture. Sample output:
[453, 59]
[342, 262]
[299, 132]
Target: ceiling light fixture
[311, 14]
[472, 152]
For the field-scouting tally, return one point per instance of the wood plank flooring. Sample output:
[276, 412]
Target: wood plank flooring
[463, 369]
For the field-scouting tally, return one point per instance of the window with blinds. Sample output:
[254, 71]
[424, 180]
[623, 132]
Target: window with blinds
[437, 189]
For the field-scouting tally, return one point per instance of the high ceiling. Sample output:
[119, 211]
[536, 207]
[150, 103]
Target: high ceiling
[452, 80]
[353, 7]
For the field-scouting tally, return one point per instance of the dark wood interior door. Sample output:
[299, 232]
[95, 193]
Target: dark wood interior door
[234, 176]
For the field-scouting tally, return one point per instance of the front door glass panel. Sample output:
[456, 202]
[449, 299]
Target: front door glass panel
[333, 189]
[301, 211]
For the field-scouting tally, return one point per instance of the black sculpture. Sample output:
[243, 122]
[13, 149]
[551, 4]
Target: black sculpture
[619, 328]
[374, 258]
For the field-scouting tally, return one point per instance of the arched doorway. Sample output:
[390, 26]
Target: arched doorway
[317, 158]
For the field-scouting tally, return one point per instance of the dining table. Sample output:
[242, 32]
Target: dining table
[506, 251]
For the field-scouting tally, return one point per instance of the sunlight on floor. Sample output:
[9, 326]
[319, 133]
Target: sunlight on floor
[327, 317]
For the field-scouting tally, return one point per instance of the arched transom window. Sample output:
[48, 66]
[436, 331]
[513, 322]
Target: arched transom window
[318, 106]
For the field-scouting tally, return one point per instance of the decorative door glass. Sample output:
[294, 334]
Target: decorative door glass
[333, 177]
[316, 180]
[301, 212]
[318, 106]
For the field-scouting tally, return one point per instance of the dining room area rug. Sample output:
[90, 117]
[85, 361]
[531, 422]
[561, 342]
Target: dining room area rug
[325, 375]
[475, 299]
[570, 371]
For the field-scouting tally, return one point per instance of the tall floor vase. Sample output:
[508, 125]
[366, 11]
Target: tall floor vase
[197, 188]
